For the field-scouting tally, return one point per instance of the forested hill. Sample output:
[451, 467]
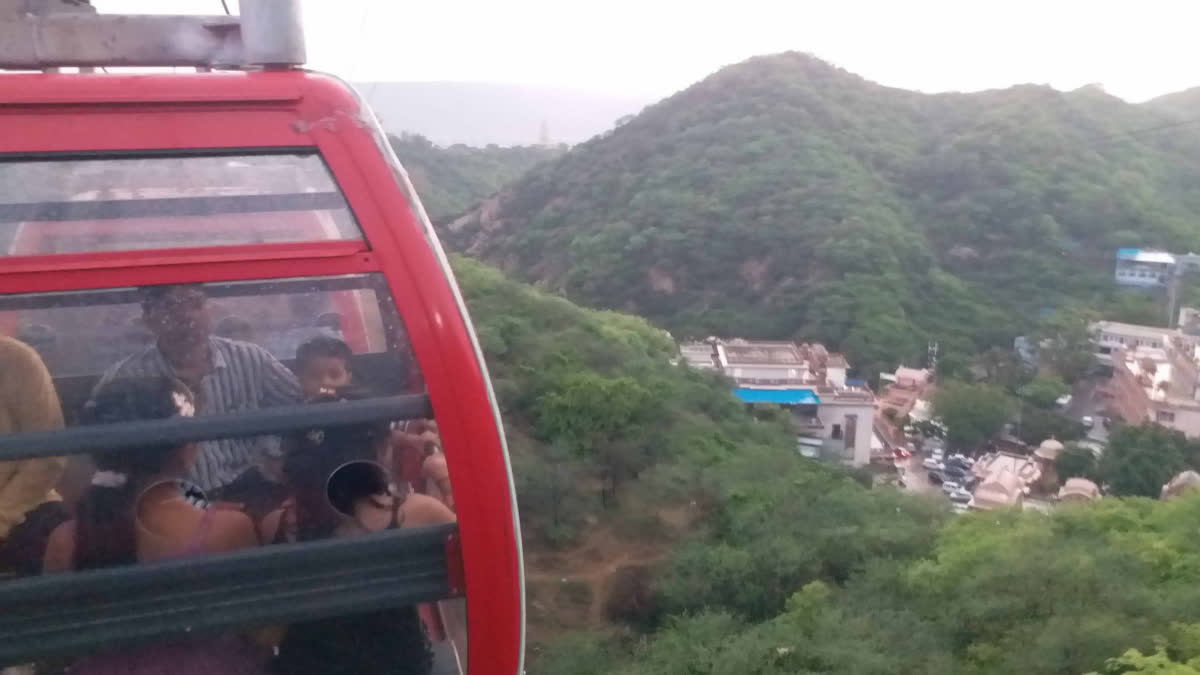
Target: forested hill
[680, 533]
[453, 179]
[785, 197]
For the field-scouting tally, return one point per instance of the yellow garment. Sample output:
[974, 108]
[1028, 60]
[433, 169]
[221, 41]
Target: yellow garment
[28, 402]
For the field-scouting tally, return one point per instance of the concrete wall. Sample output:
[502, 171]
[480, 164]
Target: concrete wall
[833, 413]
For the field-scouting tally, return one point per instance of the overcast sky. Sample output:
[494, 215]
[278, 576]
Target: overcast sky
[1136, 50]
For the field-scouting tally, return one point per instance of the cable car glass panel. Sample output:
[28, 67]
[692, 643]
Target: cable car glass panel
[223, 503]
[54, 205]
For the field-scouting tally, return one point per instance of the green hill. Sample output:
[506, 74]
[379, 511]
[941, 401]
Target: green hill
[784, 197]
[678, 534]
[453, 179]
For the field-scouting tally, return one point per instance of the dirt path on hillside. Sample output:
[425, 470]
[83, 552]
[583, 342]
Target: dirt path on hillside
[599, 556]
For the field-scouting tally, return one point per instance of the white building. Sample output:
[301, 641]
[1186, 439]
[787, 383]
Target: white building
[1142, 268]
[831, 416]
[1110, 336]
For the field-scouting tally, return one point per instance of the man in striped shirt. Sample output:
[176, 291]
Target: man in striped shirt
[225, 376]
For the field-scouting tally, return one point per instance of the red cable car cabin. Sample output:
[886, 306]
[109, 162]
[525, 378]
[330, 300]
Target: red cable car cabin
[274, 200]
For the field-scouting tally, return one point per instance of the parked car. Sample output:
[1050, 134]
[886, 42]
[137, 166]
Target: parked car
[933, 465]
[960, 496]
[959, 508]
[935, 477]
[950, 486]
[1088, 422]
[959, 477]
[1063, 401]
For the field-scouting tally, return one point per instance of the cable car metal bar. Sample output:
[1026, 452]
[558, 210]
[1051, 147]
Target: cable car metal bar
[58, 34]
[170, 207]
[96, 438]
[72, 612]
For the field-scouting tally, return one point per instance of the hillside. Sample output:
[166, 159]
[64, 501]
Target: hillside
[783, 197]
[482, 113]
[453, 179]
[669, 532]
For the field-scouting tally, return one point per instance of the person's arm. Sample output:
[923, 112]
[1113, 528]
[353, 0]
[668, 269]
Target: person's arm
[60, 549]
[279, 384]
[32, 404]
[421, 510]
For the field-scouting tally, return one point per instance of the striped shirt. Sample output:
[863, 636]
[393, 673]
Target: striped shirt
[244, 376]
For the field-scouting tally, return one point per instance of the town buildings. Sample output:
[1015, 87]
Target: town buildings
[833, 415]
[1158, 384]
[1004, 480]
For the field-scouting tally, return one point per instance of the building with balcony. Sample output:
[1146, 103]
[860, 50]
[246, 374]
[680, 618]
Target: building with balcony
[831, 415]
[1143, 268]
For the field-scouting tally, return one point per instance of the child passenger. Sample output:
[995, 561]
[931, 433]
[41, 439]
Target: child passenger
[139, 509]
[340, 488]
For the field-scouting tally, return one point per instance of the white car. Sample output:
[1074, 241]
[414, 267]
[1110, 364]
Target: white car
[933, 464]
[950, 487]
[960, 496]
[1088, 422]
[1063, 401]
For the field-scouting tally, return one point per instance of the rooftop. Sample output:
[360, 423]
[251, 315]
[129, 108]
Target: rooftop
[698, 354]
[1078, 489]
[1146, 256]
[744, 353]
[1132, 329]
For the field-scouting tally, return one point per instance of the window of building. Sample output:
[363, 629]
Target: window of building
[851, 428]
[1105, 350]
[836, 432]
[1164, 416]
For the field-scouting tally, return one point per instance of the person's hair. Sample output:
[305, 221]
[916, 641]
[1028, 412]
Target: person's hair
[322, 346]
[152, 296]
[329, 469]
[105, 531]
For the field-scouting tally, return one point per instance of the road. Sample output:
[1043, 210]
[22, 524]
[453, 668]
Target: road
[1084, 402]
[916, 477]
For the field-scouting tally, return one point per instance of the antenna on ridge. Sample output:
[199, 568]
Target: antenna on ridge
[41, 34]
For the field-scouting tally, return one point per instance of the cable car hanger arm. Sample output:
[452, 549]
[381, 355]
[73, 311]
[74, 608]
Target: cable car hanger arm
[268, 33]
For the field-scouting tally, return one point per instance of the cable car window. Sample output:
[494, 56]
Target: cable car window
[121, 203]
[352, 454]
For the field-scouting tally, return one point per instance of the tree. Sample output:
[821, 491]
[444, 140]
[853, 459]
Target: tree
[1043, 391]
[1066, 342]
[1038, 424]
[1139, 460]
[1075, 461]
[597, 416]
[972, 413]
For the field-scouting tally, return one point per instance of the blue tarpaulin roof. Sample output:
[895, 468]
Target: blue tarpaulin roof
[780, 396]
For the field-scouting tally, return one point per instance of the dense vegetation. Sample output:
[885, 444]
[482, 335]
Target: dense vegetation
[790, 566]
[453, 179]
[783, 197]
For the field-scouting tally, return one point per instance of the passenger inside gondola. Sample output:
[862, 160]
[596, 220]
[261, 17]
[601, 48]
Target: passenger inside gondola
[340, 487]
[140, 508]
[323, 366]
[30, 508]
[228, 376]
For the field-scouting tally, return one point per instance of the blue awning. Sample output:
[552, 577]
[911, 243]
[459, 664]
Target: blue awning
[780, 396]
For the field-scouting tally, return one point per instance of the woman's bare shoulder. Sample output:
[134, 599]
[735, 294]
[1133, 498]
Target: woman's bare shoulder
[425, 510]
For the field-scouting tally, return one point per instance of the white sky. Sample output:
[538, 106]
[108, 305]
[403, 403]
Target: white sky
[1136, 49]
